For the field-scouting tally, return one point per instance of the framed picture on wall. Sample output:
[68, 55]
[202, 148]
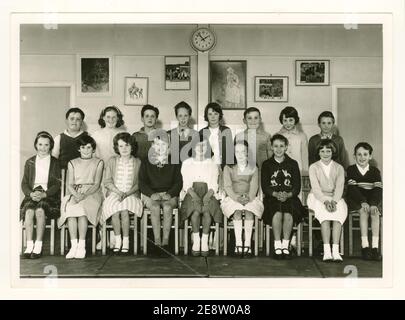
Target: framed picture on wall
[228, 83]
[136, 91]
[94, 75]
[177, 73]
[271, 89]
[312, 72]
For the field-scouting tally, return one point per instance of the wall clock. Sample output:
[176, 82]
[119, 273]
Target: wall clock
[203, 39]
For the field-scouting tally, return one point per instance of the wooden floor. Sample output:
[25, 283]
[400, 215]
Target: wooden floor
[187, 266]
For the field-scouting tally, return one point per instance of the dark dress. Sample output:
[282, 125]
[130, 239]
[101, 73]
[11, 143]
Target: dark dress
[276, 177]
[69, 148]
[51, 203]
[180, 147]
[367, 188]
[188, 206]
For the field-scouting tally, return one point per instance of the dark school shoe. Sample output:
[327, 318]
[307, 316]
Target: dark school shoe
[286, 254]
[238, 251]
[36, 255]
[375, 255]
[278, 254]
[247, 253]
[366, 253]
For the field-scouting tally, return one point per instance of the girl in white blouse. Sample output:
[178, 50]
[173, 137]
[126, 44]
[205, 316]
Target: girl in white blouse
[200, 186]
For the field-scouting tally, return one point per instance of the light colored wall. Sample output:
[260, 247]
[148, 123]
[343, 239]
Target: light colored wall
[355, 55]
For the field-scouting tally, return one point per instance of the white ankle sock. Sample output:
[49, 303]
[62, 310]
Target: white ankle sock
[277, 244]
[335, 248]
[285, 244]
[375, 241]
[248, 232]
[196, 241]
[81, 244]
[237, 225]
[125, 242]
[118, 241]
[30, 246]
[204, 242]
[326, 249]
[37, 247]
[364, 242]
[73, 243]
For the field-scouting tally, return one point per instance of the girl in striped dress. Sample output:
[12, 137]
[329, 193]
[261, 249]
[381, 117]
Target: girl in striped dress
[121, 183]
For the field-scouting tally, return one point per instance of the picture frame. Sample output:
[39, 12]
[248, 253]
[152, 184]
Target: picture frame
[177, 73]
[312, 72]
[271, 89]
[136, 91]
[228, 83]
[94, 75]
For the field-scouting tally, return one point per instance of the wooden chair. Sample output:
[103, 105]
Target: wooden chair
[229, 225]
[146, 226]
[50, 226]
[187, 228]
[64, 229]
[298, 228]
[355, 216]
[133, 226]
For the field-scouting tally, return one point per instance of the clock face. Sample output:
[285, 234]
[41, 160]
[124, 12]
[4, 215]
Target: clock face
[203, 39]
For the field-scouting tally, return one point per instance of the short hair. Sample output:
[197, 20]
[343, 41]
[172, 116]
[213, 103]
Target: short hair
[279, 137]
[364, 145]
[120, 121]
[184, 105]
[44, 134]
[214, 106]
[289, 112]
[84, 140]
[250, 152]
[249, 110]
[196, 140]
[326, 114]
[75, 110]
[327, 143]
[149, 107]
[127, 138]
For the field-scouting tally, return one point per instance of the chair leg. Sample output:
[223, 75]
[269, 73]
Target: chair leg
[145, 233]
[342, 249]
[310, 244]
[267, 240]
[176, 233]
[260, 232]
[104, 238]
[135, 235]
[62, 240]
[225, 236]
[52, 244]
[24, 237]
[217, 234]
[185, 238]
[381, 235]
[299, 239]
[350, 235]
[256, 228]
[93, 240]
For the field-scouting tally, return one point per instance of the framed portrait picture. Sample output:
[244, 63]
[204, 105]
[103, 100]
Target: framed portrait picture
[136, 91]
[94, 75]
[312, 72]
[228, 83]
[271, 89]
[177, 73]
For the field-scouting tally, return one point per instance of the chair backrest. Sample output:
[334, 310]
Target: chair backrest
[62, 189]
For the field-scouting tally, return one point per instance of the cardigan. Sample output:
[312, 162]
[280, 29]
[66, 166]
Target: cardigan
[325, 188]
[54, 178]
[358, 183]
[110, 173]
[104, 139]
[226, 146]
[297, 147]
[153, 179]
[283, 176]
[314, 142]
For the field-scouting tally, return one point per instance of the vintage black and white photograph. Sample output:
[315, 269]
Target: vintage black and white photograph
[196, 176]
[136, 91]
[177, 73]
[228, 83]
[312, 72]
[94, 75]
[271, 89]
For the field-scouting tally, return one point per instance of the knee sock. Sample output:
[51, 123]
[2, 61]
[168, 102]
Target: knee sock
[125, 242]
[326, 249]
[37, 247]
[248, 232]
[118, 241]
[285, 244]
[204, 242]
[30, 246]
[364, 242]
[375, 241]
[237, 225]
[196, 241]
[277, 244]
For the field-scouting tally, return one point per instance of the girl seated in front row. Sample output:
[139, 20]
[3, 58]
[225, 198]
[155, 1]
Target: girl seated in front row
[121, 183]
[160, 183]
[82, 202]
[41, 187]
[327, 179]
[200, 185]
[281, 185]
[241, 184]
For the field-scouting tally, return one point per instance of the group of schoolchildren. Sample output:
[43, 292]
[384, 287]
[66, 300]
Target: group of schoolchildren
[206, 175]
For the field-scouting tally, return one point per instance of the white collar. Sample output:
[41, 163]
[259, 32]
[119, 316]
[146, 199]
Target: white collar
[363, 171]
[68, 134]
[44, 159]
[214, 130]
